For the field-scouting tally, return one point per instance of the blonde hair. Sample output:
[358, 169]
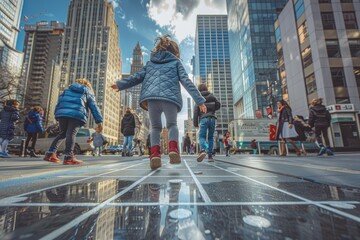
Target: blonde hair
[166, 43]
[38, 109]
[85, 82]
[316, 101]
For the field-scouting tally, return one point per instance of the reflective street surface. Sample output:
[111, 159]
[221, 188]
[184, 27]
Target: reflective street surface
[237, 197]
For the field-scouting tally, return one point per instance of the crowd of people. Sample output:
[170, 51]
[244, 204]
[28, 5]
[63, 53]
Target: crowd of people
[160, 93]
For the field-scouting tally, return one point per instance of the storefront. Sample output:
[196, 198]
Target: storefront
[344, 126]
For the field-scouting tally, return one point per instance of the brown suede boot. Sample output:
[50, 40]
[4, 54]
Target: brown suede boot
[155, 157]
[174, 153]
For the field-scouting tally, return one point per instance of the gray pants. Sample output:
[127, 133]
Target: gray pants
[156, 108]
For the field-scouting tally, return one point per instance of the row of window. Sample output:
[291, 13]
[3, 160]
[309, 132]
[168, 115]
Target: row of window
[328, 20]
[333, 48]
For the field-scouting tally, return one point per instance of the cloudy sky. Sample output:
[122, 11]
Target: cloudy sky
[138, 20]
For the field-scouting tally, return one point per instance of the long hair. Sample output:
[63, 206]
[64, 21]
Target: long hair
[316, 101]
[166, 43]
[284, 103]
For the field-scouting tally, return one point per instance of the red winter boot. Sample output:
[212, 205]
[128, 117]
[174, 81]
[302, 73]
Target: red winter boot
[155, 157]
[174, 153]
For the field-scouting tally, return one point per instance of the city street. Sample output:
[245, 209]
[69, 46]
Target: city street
[236, 197]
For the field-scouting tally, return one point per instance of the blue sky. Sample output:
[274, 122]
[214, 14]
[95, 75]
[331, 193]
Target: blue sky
[138, 20]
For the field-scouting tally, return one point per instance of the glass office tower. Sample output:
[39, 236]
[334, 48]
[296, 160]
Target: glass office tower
[212, 64]
[253, 55]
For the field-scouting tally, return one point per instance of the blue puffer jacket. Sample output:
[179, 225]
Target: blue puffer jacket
[33, 122]
[8, 117]
[160, 79]
[75, 102]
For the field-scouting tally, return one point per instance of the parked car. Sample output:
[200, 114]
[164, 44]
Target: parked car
[82, 145]
[113, 149]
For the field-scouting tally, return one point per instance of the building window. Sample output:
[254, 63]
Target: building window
[350, 20]
[299, 8]
[324, 1]
[346, 1]
[333, 48]
[354, 45]
[357, 76]
[338, 77]
[310, 84]
[328, 21]
[303, 32]
[306, 57]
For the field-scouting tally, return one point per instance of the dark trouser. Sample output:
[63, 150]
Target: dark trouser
[322, 131]
[68, 129]
[33, 137]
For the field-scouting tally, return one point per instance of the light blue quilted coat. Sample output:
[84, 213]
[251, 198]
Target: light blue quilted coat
[161, 78]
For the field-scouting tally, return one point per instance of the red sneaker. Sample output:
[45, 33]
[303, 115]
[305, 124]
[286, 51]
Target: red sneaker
[155, 157]
[51, 157]
[71, 160]
[174, 153]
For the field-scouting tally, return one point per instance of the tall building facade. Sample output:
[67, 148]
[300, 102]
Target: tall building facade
[253, 55]
[212, 64]
[91, 50]
[42, 47]
[10, 58]
[318, 44]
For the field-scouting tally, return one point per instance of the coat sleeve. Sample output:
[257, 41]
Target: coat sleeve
[217, 104]
[95, 111]
[196, 116]
[38, 124]
[133, 123]
[15, 116]
[188, 85]
[289, 113]
[311, 118]
[328, 116]
[132, 80]
[122, 126]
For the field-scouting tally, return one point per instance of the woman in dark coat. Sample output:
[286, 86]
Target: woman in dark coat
[33, 126]
[285, 129]
[128, 130]
[8, 117]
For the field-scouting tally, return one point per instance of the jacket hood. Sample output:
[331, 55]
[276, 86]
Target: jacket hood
[163, 57]
[319, 108]
[205, 93]
[10, 109]
[76, 87]
[33, 115]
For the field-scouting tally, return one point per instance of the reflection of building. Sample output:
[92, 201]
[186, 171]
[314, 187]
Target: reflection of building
[319, 55]
[91, 50]
[253, 53]
[212, 64]
[42, 48]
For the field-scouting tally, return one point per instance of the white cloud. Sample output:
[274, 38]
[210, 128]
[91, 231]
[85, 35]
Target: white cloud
[158, 32]
[179, 16]
[115, 3]
[131, 25]
[145, 51]
[129, 60]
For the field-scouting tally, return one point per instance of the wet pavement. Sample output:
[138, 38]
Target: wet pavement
[241, 197]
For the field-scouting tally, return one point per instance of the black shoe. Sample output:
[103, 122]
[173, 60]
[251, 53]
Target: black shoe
[33, 154]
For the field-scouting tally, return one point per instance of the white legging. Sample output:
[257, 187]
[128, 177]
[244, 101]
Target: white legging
[3, 144]
[156, 108]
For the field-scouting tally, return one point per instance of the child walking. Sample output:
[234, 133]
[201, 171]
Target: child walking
[207, 122]
[228, 144]
[98, 141]
[160, 93]
[8, 117]
[72, 112]
[33, 125]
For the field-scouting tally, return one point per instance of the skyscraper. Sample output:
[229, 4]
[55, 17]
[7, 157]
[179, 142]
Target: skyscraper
[42, 46]
[10, 58]
[212, 64]
[91, 50]
[253, 54]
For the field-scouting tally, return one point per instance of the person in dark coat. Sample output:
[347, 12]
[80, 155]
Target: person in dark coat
[301, 128]
[187, 143]
[207, 122]
[33, 125]
[128, 130]
[285, 130]
[72, 111]
[8, 117]
[320, 118]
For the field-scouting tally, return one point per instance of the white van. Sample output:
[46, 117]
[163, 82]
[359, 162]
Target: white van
[81, 145]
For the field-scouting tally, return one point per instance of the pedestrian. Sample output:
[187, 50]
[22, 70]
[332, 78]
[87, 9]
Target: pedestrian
[253, 146]
[228, 144]
[160, 93]
[207, 123]
[320, 118]
[9, 115]
[128, 130]
[302, 129]
[98, 140]
[285, 129]
[138, 124]
[72, 112]
[187, 143]
[33, 125]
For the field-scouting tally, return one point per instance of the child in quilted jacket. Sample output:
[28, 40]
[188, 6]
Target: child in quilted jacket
[8, 117]
[160, 93]
[33, 125]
